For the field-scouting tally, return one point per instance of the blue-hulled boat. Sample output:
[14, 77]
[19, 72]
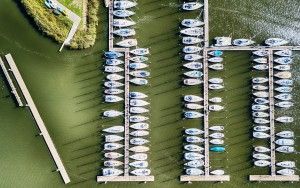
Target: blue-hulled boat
[216, 53]
[112, 54]
[217, 149]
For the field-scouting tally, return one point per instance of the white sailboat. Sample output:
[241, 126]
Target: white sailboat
[261, 149]
[276, 42]
[112, 113]
[216, 66]
[193, 131]
[192, 98]
[137, 95]
[139, 164]
[140, 126]
[262, 163]
[113, 155]
[286, 164]
[113, 138]
[139, 149]
[111, 172]
[191, 40]
[139, 156]
[191, 23]
[193, 148]
[193, 32]
[114, 129]
[127, 43]
[138, 102]
[191, 5]
[113, 91]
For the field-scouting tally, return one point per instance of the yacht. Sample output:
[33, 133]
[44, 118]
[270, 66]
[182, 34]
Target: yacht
[194, 172]
[193, 32]
[284, 104]
[261, 67]
[191, 49]
[193, 106]
[141, 172]
[285, 149]
[113, 69]
[139, 156]
[123, 23]
[284, 89]
[259, 87]
[262, 163]
[112, 163]
[191, 40]
[262, 149]
[260, 53]
[192, 98]
[137, 95]
[286, 172]
[139, 164]
[138, 102]
[112, 113]
[192, 114]
[282, 67]
[284, 82]
[283, 75]
[113, 155]
[194, 163]
[215, 86]
[114, 129]
[193, 65]
[276, 42]
[216, 141]
[193, 74]
[215, 107]
[284, 96]
[139, 133]
[284, 60]
[286, 164]
[113, 91]
[125, 32]
[127, 43]
[260, 135]
[284, 53]
[216, 66]
[139, 149]
[138, 110]
[193, 156]
[138, 65]
[261, 60]
[137, 119]
[215, 100]
[113, 54]
[261, 156]
[193, 131]
[113, 62]
[261, 121]
[261, 94]
[222, 41]
[215, 59]
[140, 73]
[193, 148]
[261, 101]
[242, 42]
[261, 128]
[259, 80]
[113, 98]
[124, 4]
[138, 59]
[191, 6]
[140, 51]
[216, 128]
[191, 22]
[138, 141]
[140, 126]
[139, 81]
[194, 139]
[285, 142]
[216, 80]
[285, 134]
[217, 149]
[216, 53]
[111, 172]
[112, 146]
[192, 81]
[123, 13]
[216, 135]
[192, 57]
[114, 77]
[218, 172]
[260, 114]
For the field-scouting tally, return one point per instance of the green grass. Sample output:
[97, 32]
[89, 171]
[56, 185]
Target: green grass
[73, 7]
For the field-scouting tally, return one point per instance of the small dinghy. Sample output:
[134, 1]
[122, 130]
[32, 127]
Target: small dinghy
[139, 133]
[140, 73]
[191, 40]
[193, 156]
[215, 59]
[191, 22]
[286, 172]
[140, 126]
[113, 62]
[126, 32]
[191, 6]
[261, 128]
[112, 113]
[259, 107]
[124, 4]
[138, 141]
[137, 95]
[112, 54]
[260, 114]
[193, 74]
[217, 149]
[113, 155]
[141, 172]
[216, 128]
[284, 53]
[191, 49]
[138, 65]
[215, 107]
[284, 96]
[261, 60]
[112, 163]
[192, 57]
[194, 139]
[260, 53]
[286, 164]
[139, 81]
[111, 172]
[193, 131]
[114, 129]
[259, 87]
[282, 67]
[112, 146]
[113, 69]
[139, 164]
[192, 98]
[114, 77]
[215, 100]
[261, 156]
[139, 149]
[192, 114]
[276, 42]
[284, 60]
[123, 13]
[216, 53]
[261, 94]
[262, 163]
[217, 172]
[261, 67]
[113, 98]
[193, 65]
[284, 89]
[193, 106]
[113, 91]
[261, 149]
[261, 121]
[285, 149]
[193, 148]
[127, 43]
[137, 119]
[123, 23]
[138, 59]
[284, 104]
[217, 135]
[138, 110]
[216, 141]
[283, 75]
[194, 172]
[192, 81]
[260, 135]
[261, 101]
[193, 32]
[284, 82]
[194, 163]
[140, 51]
[216, 80]
[217, 66]
[138, 102]
[242, 42]
[259, 80]
[285, 134]
[139, 156]
[215, 86]
[285, 142]
[285, 119]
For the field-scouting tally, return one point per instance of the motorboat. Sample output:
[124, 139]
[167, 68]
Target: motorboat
[141, 172]
[191, 22]
[138, 102]
[285, 119]
[216, 141]
[216, 128]
[218, 172]
[194, 172]
[127, 43]
[112, 146]
[216, 53]
[193, 148]
[138, 141]
[193, 65]
[192, 98]
[124, 4]
[113, 69]
[191, 40]
[284, 89]
[113, 155]
[261, 128]
[217, 66]
[259, 107]
[260, 114]
[114, 129]
[193, 156]
[112, 163]
[137, 119]
[193, 106]
[140, 51]
[113, 91]
[192, 114]
[194, 163]
[284, 53]
[261, 67]
[139, 164]
[260, 53]
[262, 149]
[284, 104]
[123, 23]
[285, 134]
[260, 135]
[114, 77]
[276, 42]
[216, 80]
[215, 100]
[242, 42]
[284, 60]
[112, 113]
[286, 164]
[222, 41]
[111, 172]
[192, 57]
[283, 75]
[138, 59]
[286, 172]
[261, 94]
[139, 81]
[259, 80]
[138, 65]
[125, 32]
[140, 126]
[139, 156]
[191, 49]
[193, 32]
[215, 59]
[123, 13]
[215, 107]
[217, 135]
[261, 60]
[261, 121]
[284, 96]
[285, 142]
[194, 74]
[282, 67]
[262, 163]
[138, 110]
[193, 131]
[194, 139]
[259, 87]
[217, 149]
[284, 82]
[139, 133]
[139, 149]
[191, 6]
[140, 73]
[113, 54]
[113, 62]
[286, 149]
[261, 156]
[261, 101]
[112, 98]
[215, 86]
[137, 95]
[192, 81]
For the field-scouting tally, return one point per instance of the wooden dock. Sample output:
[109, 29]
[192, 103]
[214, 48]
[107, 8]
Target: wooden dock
[212, 178]
[262, 178]
[206, 24]
[252, 48]
[38, 119]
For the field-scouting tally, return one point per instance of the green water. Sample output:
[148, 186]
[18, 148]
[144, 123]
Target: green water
[67, 89]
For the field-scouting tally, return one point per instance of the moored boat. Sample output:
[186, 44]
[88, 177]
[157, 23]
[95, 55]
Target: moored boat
[113, 91]
[124, 4]
[140, 126]
[191, 5]
[140, 73]
[125, 32]
[192, 98]
[192, 81]
[284, 53]
[275, 42]
[139, 149]
[286, 149]
[242, 42]
[191, 40]
[193, 65]
[122, 23]
[215, 100]
[192, 57]
[140, 51]
[193, 32]
[114, 129]
[112, 113]
[191, 22]
[262, 163]
[111, 172]
[260, 53]
[127, 43]
[113, 155]
[216, 66]
[285, 142]
[261, 149]
[193, 131]
[192, 114]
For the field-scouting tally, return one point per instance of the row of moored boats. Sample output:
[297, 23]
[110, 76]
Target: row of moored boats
[242, 42]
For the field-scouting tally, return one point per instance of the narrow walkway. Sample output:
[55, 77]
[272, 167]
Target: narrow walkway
[38, 119]
[253, 48]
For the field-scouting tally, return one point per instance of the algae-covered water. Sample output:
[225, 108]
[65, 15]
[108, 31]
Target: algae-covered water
[67, 89]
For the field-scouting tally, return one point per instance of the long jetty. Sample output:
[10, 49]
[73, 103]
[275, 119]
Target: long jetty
[38, 119]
